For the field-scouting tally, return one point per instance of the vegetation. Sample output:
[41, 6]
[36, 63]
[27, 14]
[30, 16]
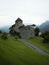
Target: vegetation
[46, 39]
[16, 37]
[12, 52]
[45, 35]
[37, 30]
[4, 36]
[38, 41]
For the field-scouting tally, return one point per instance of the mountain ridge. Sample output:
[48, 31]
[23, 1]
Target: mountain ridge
[44, 26]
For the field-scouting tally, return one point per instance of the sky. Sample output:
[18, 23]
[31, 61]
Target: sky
[30, 11]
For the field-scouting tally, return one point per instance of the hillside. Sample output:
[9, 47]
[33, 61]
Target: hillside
[12, 52]
[38, 41]
[44, 26]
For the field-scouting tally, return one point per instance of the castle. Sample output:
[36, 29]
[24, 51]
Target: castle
[25, 31]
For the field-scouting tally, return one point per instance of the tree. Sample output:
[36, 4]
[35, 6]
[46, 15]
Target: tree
[46, 39]
[45, 34]
[12, 32]
[37, 30]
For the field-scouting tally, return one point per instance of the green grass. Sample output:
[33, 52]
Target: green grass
[38, 41]
[12, 52]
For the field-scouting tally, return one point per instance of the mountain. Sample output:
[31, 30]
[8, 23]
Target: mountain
[44, 26]
[5, 29]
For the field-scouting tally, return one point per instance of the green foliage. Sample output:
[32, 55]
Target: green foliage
[38, 41]
[46, 39]
[12, 32]
[13, 52]
[4, 36]
[16, 37]
[45, 34]
[37, 30]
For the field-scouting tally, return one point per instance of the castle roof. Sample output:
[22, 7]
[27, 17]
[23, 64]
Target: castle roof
[18, 19]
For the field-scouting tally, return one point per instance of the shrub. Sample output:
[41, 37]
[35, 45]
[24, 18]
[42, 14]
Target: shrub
[16, 37]
[45, 34]
[4, 36]
[46, 39]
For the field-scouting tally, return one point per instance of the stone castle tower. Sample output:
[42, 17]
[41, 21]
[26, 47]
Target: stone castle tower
[25, 31]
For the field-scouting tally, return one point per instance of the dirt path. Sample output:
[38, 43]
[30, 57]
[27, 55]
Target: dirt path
[33, 47]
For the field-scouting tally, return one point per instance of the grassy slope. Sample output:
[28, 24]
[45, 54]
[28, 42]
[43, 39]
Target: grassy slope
[38, 42]
[12, 52]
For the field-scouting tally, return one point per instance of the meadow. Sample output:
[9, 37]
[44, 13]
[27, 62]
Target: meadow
[38, 41]
[13, 52]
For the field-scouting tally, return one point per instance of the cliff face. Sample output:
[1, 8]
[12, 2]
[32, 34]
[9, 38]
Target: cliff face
[25, 31]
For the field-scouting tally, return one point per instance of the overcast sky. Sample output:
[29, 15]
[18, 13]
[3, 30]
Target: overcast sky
[30, 11]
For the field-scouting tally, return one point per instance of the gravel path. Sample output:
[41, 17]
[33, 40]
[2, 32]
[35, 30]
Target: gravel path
[33, 47]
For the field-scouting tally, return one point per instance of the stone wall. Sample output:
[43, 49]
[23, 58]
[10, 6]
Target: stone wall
[25, 31]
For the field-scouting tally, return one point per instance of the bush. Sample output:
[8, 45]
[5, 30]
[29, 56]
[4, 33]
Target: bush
[16, 37]
[46, 39]
[45, 34]
[4, 36]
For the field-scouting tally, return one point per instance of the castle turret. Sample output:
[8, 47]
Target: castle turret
[18, 19]
[22, 30]
[19, 22]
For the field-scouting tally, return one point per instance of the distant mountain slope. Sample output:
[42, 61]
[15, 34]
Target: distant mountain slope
[45, 26]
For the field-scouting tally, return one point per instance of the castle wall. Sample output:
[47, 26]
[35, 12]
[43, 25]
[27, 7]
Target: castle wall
[26, 33]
